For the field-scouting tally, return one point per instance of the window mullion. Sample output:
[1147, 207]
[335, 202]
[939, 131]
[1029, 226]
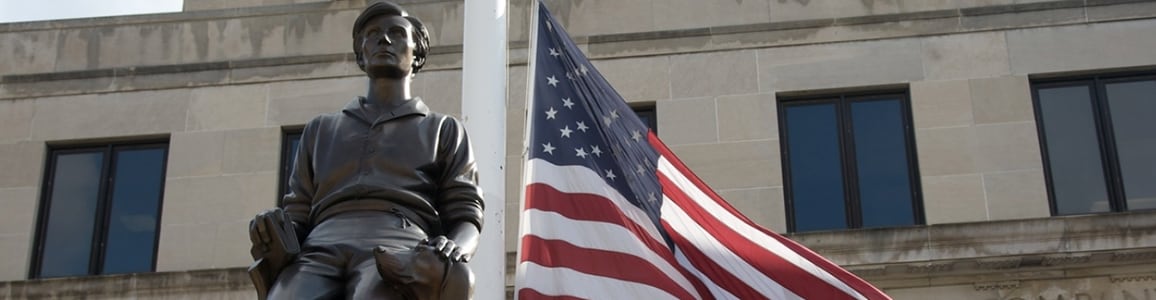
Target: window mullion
[100, 227]
[847, 154]
[1115, 179]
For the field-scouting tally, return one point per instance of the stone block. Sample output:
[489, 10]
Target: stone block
[1007, 146]
[713, 74]
[227, 107]
[24, 160]
[513, 201]
[1001, 99]
[839, 65]
[515, 132]
[734, 165]
[747, 117]
[79, 49]
[684, 14]
[171, 80]
[20, 207]
[687, 121]
[185, 247]
[946, 151]
[1016, 195]
[57, 87]
[440, 90]
[965, 56]
[217, 199]
[1083, 47]
[586, 18]
[950, 292]
[818, 9]
[638, 79]
[144, 45]
[445, 20]
[954, 199]
[16, 247]
[323, 32]
[764, 206]
[294, 71]
[647, 46]
[24, 52]
[816, 31]
[938, 23]
[515, 110]
[195, 154]
[231, 245]
[1022, 19]
[1135, 9]
[252, 150]
[296, 102]
[941, 103]
[16, 119]
[110, 115]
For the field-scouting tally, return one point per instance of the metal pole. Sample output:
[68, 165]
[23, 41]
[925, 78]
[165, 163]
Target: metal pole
[484, 113]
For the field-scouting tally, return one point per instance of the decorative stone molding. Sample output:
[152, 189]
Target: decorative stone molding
[1132, 278]
[930, 268]
[999, 263]
[991, 286]
[1064, 260]
[1134, 256]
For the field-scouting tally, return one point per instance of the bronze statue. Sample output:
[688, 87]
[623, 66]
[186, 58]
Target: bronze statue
[383, 195]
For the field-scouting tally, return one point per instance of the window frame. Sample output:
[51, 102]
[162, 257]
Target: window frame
[849, 165]
[1105, 134]
[286, 163]
[98, 251]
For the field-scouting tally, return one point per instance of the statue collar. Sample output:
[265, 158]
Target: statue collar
[359, 110]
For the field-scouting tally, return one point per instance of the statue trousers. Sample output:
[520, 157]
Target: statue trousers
[337, 262]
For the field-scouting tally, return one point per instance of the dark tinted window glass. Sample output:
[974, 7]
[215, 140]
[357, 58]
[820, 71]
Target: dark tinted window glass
[136, 194]
[1132, 105]
[815, 167]
[68, 234]
[1073, 150]
[649, 117]
[291, 143]
[881, 163]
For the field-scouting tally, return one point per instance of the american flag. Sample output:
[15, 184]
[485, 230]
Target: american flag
[610, 213]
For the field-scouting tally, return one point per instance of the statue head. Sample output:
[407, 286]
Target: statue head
[378, 30]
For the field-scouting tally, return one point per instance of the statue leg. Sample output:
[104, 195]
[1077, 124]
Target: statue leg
[459, 283]
[297, 282]
[365, 283]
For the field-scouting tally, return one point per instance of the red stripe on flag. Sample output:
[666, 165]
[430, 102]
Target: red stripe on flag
[787, 274]
[598, 209]
[561, 254]
[846, 277]
[531, 294]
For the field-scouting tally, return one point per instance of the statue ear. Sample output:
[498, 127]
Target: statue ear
[418, 62]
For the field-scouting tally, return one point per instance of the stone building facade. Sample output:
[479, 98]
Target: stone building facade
[222, 86]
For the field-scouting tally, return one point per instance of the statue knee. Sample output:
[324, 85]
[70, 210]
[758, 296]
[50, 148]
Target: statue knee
[459, 282]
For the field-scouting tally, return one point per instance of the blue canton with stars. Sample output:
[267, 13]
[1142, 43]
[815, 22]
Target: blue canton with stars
[578, 119]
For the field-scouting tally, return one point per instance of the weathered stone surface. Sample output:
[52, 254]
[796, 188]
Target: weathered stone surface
[1022, 19]
[229, 107]
[195, 154]
[231, 248]
[713, 74]
[612, 16]
[826, 66]
[252, 150]
[1086, 47]
[19, 215]
[27, 157]
[687, 121]
[217, 199]
[734, 165]
[961, 56]
[320, 33]
[1133, 9]
[638, 79]
[440, 90]
[1001, 99]
[296, 102]
[747, 117]
[682, 14]
[765, 206]
[16, 246]
[1007, 146]
[185, 247]
[513, 202]
[24, 52]
[941, 103]
[954, 199]
[110, 115]
[16, 119]
[946, 151]
[1016, 195]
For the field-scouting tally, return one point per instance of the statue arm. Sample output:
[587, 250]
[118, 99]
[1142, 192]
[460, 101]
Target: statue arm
[460, 203]
[299, 198]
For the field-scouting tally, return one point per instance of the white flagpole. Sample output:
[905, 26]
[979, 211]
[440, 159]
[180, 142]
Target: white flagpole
[532, 58]
[484, 114]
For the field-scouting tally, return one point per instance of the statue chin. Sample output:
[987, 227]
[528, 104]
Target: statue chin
[385, 72]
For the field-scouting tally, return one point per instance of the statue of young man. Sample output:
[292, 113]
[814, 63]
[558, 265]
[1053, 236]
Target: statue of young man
[384, 193]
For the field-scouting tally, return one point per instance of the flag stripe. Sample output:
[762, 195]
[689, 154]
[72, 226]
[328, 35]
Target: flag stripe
[712, 271]
[558, 253]
[715, 291]
[751, 262]
[564, 281]
[531, 294]
[582, 180]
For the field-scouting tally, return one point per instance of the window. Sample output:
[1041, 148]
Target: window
[849, 162]
[290, 141]
[648, 116]
[1098, 143]
[100, 210]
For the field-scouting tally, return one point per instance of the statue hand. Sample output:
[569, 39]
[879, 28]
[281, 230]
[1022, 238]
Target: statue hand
[446, 248]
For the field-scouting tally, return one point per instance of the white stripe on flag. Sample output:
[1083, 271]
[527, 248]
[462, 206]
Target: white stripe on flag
[567, 282]
[583, 180]
[717, 291]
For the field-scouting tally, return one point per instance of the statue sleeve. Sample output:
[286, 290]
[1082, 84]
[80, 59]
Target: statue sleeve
[299, 198]
[459, 198]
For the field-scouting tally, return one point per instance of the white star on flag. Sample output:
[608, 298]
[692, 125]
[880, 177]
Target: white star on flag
[610, 175]
[548, 148]
[566, 131]
[568, 103]
[554, 52]
[582, 126]
[594, 150]
[551, 114]
[581, 152]
[552, 81]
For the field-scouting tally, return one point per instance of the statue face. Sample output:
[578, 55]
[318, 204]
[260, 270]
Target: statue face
[387, 47]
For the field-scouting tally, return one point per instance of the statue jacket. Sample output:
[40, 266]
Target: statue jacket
[408, 156]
